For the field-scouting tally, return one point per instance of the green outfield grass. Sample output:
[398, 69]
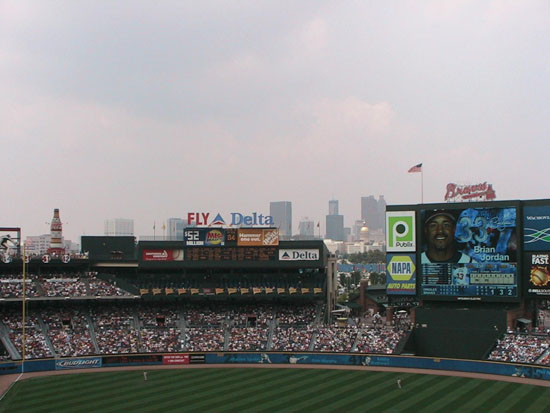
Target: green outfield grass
[269, 390]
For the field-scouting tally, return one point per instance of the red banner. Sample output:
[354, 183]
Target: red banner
[162, 255]
[175, 359]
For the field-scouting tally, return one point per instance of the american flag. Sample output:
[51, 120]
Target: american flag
[416, 168]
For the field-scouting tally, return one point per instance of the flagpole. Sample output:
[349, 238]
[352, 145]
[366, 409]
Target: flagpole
[422, 185]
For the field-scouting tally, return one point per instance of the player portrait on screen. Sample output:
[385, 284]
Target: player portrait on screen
[441, 244]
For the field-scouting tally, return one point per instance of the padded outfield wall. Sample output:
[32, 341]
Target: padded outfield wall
[446, 364]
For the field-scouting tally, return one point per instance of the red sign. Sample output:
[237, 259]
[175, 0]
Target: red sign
[162, 255]
[468, 192]
[175, 359]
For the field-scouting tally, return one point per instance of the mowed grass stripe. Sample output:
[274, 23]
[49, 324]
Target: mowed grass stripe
[368, 398]
[338, 390]
[391, 394]
[523, 402]
[218, 391]
[94, 382]
[192, 399]
[271, 402]
[424, 396]
[99, 386]
[268, 391]
[503, 397]
[176, 388]
[484, 389]
[352, 397]
[275, 376]
[188, 381]
[541, 402]
[284, 389]
[124, 393]
[321, 385]
[456, 400]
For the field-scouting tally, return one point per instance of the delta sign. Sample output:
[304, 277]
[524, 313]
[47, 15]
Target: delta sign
[401, 274]
[205, 219]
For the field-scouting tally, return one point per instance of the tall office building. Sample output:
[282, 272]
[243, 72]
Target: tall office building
[373, 211]
[281, 211]
[334, 222]
[333, 207]
[175, 228]
[369, 211]
[119, 227]
[382, 212]
[306, 228]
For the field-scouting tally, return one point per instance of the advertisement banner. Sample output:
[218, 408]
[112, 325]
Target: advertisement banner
[162, 255]
[81, 363]
[401, 274]
[131, 359]
[469, 253]
[175, 359]
[204, 237]
[258, 237]
[299, 255]
[400, 231]
[536, 228]
[538, 273]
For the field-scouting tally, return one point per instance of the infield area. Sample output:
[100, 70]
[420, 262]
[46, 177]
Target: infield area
[270, 390]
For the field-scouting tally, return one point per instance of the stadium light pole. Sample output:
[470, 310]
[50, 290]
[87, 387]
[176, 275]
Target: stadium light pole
[24, 338]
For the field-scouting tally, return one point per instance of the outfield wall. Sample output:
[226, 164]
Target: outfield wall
[472, 366]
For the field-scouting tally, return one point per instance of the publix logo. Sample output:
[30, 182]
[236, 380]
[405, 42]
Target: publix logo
[400, 231]
[236, 219]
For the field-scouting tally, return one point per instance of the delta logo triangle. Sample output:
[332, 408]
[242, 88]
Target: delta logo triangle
[285, 256]
[218, 220]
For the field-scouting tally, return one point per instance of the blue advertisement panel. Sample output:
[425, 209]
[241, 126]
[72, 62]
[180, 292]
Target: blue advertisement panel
[80, 363]
[469, 253]
[401, 274]
[204, 237]
[536, 228]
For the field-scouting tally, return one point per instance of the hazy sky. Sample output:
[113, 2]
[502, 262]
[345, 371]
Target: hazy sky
[152, 109]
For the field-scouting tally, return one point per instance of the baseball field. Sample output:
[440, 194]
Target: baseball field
[269, 390]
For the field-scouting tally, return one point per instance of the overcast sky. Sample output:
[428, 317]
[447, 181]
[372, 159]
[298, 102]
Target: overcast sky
[152, 109]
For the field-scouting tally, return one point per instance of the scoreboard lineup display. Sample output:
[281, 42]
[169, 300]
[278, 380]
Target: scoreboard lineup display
[480, 249]
[470, 280]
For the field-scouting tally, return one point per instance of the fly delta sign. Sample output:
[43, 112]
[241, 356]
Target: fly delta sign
[198, 219]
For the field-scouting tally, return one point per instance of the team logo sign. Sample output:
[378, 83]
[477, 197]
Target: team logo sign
[400, 231]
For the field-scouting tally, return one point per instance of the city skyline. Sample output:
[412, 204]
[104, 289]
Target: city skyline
[151, 110]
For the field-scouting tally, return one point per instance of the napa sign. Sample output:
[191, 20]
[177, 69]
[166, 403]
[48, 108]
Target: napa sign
[235, 219]
[401, 274]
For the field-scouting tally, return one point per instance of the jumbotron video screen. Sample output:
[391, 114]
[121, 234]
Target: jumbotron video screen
[469, 253]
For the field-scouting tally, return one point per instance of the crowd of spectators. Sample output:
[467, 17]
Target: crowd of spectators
[334, 338]
[136, 327]
[521, 348]
[379, 339]
[68, 331]
[79, 284]
[292, 338]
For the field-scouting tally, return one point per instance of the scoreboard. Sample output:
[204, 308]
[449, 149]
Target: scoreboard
[231, 254]
[483, 262]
